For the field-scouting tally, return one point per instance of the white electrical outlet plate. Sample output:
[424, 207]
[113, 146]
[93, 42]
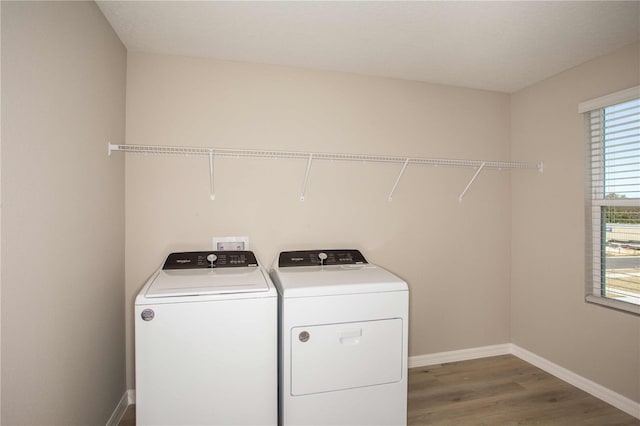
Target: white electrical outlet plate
[230, 243]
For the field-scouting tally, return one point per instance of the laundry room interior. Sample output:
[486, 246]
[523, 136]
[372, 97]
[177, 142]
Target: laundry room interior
[494, 257]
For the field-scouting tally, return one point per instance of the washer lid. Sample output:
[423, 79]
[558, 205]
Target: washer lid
[306, 281]
[196, 282]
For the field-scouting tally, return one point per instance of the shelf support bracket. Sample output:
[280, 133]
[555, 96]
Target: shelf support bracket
[212, 194]
[306, 177]
[471, 181]
[395, 185]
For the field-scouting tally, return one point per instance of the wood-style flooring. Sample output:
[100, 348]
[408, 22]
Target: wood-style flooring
[502, 390]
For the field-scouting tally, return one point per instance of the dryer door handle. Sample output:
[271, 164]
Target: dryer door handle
[350, 337]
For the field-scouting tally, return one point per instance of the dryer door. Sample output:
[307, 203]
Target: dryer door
[333, 357]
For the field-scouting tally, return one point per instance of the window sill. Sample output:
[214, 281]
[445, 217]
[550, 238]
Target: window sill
[614, 304]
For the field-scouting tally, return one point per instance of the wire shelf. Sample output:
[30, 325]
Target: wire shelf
[246, 153]
[479, 165]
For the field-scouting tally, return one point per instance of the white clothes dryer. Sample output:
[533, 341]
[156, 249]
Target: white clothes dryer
[343, 327]
[205, 335]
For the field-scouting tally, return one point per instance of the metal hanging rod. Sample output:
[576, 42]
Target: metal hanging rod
[249, 153]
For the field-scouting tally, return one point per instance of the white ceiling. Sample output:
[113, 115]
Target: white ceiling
[502, 46]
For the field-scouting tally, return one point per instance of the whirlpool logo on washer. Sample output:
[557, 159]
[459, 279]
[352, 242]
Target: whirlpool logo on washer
[147, 314]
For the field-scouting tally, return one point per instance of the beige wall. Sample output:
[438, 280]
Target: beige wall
[548, 314]
[455, 256]
[63, 90]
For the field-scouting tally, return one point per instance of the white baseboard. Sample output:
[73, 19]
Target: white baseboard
[459, 355]
[117, 414]
[607, 395]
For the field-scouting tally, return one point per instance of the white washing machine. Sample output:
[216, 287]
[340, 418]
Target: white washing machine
[343, 327]
[206, 333]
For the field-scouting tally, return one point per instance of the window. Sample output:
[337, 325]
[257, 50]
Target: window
[613, 200]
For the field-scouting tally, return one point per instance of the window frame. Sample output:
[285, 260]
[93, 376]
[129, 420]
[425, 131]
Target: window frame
[595, 201]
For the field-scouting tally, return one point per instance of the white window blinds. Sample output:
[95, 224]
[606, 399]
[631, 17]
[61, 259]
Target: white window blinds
[613, 234]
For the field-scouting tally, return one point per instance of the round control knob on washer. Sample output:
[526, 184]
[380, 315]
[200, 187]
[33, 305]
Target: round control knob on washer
[322, 256]
[212, 258]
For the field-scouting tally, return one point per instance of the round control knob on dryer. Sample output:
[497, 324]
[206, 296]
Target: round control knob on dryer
[322, 256]
[212, 258]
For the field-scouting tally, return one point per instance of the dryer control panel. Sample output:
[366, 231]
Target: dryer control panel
[210, 259]
[320, 257]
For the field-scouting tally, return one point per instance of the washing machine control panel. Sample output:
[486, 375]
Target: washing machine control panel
[320, 257]
[210, 259]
